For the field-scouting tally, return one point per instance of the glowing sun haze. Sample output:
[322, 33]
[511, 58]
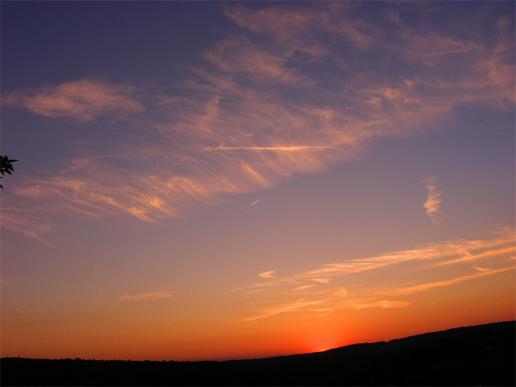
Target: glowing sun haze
[209, 180]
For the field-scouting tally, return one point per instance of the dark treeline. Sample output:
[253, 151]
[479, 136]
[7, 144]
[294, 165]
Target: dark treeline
[479, 355]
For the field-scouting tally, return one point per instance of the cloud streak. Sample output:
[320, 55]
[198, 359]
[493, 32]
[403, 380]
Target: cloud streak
[319, 293]
[240, 124]
[432, 202]
[446, 253]
[294, 306]
[81, 100]
[147, 296]
[267, 274]
[409, 290]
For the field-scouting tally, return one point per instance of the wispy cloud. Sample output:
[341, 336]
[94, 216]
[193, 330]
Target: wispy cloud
[239, 124]
[281, 148]
[303, 287]
[290, 28]
[315, 285]
[448, 252]
[31, 227]
[469, 257]
[82, 100]
[433, 199]
[297, 305]
[438, 48]
[146, 296]
[413, 289]
[382, 304]
[322, 280]
[260, 63]
[267, 274]
[325, 302]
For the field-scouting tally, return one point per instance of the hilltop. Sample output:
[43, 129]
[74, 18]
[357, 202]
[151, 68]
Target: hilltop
[477, 355]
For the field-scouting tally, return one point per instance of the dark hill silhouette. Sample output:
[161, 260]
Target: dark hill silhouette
[482, 355]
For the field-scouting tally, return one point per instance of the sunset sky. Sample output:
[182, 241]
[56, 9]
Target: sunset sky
[214, 180]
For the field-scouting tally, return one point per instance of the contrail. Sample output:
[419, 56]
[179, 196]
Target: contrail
[254, 203]
[273, 148]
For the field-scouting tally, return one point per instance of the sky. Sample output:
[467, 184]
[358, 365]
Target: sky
[214, 180]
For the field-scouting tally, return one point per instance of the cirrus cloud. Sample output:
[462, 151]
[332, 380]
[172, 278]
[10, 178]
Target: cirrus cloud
[432, 202]
[267, 274]
[240, 124]
[81, 100]
[277, 296]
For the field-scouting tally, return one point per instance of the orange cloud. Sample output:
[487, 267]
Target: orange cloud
[446, 252]
[297, 305]
[413, 289]
[498, 247]
[267, 274]
[468, 257]
[322, 280]
[383, 304]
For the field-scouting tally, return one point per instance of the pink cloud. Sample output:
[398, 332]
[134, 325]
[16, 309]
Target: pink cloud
[81, 100]
[235, 131]
[238, 55]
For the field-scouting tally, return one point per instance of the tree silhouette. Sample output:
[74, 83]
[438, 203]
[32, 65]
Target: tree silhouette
[6, 166]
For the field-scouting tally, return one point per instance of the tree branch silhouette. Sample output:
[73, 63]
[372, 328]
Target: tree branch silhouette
[6, 166]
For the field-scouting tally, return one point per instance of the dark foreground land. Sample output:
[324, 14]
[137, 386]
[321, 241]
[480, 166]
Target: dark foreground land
[480, 355]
